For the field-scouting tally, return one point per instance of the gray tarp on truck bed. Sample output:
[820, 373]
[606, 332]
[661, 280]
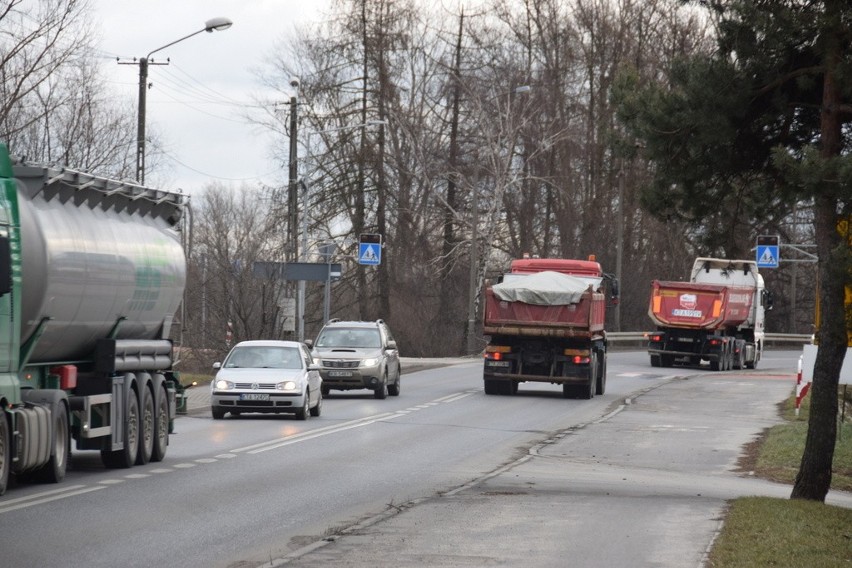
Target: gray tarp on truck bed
[542, 288]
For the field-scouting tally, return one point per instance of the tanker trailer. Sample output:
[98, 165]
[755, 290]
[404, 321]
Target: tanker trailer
[91, 273]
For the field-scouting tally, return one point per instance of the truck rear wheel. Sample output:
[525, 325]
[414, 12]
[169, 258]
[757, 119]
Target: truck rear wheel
[5, 456]
[655, 360]
[491, 386]
[161, 427]
[146, 427]
[126, 456]
[600, 385]
[752, 364]
[588, 389]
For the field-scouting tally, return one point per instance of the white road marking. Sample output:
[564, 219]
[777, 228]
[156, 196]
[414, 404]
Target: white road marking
[45, 497]
[9, 505]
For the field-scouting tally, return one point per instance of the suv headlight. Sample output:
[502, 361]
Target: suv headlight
[224, 385]
[371, 362]
[286, 386]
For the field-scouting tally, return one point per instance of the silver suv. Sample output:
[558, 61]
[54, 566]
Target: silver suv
[357, 355]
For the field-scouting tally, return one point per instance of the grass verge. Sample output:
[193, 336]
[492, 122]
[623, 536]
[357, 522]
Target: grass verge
[760, 531]
[190, 379]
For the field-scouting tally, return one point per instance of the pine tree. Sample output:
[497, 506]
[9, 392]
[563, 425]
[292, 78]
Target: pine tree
[742, 134]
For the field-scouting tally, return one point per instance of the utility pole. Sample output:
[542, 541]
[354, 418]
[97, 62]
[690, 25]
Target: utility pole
[293, 187]
[214, 24]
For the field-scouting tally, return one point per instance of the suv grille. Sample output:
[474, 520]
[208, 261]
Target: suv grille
[337, 364]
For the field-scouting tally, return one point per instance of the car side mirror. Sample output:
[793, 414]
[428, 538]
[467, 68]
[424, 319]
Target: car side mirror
[314, 367]
[217, 365]
[309, 343]
[392, 345]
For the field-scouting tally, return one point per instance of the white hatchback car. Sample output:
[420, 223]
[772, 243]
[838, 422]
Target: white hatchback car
[267, 376]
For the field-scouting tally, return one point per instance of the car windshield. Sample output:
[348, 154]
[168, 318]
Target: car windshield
[349, 337]
[264, 357]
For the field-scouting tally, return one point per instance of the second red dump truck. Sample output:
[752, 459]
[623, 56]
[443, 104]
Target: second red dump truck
[717, 316]
[545, 323]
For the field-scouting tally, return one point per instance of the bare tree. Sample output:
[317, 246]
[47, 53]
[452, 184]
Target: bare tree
[551, 171]
[233, 231]
[52, 103]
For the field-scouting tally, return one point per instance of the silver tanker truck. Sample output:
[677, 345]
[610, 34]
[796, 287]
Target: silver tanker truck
[91, 273]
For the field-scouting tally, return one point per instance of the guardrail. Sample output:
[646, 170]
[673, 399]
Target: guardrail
[633, 336]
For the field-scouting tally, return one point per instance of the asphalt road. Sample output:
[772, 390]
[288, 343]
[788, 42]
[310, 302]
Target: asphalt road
[442, 475]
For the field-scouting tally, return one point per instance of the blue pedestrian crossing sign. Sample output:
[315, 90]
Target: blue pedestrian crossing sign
[370, 249]
[768, 255]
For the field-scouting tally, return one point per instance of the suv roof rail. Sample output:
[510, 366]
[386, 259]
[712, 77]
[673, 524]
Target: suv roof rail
[333, 320]
[380, 321]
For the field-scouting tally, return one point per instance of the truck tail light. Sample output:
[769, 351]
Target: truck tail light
[496, 352]
[655, 337]
[658, 301]
[578, 356]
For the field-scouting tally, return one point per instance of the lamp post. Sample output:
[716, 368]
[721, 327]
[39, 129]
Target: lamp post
[214, 24]
[305, 188]
[474, 248]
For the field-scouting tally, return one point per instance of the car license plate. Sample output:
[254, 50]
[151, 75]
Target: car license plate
[254, 396]
[340, 373]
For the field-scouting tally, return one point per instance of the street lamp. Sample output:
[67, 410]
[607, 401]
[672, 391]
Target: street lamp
[214, 24]
[474, 252]
[305, 188]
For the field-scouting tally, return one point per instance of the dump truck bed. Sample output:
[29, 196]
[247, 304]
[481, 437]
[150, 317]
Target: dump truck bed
[700, 306]
[581, 319]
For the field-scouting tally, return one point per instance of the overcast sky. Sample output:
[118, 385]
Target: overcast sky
[196, 101]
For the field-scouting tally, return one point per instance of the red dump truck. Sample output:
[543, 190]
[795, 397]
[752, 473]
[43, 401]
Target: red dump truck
[544, 321]
[717, 316]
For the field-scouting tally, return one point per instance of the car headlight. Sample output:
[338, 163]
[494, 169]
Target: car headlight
[224, 385]
[286, 386]
[318, 361]
[372, 362]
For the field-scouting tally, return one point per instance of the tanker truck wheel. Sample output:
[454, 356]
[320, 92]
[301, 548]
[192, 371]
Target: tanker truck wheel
[126, 456]
[146, 426]
[54, 470]
[161, 427]
[5, 461]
